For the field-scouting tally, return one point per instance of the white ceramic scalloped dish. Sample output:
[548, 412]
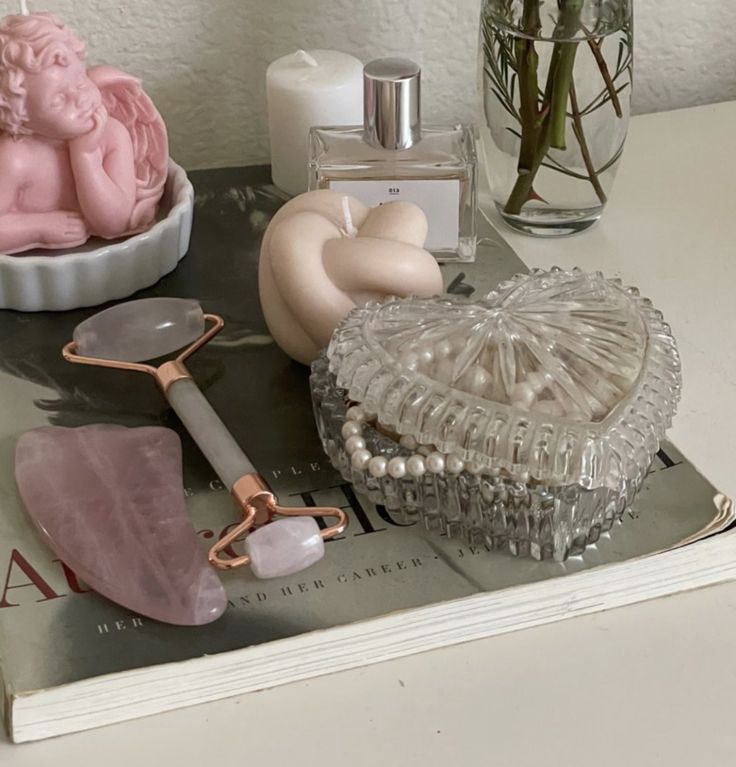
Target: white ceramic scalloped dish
[101, 271]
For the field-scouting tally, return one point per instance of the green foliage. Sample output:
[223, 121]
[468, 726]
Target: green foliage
[510, 63]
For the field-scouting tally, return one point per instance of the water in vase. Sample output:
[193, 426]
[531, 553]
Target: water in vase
[557, 79]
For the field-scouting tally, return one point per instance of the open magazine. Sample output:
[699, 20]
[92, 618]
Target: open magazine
[71, 660]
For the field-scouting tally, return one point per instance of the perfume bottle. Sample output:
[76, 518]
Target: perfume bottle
[392, 156]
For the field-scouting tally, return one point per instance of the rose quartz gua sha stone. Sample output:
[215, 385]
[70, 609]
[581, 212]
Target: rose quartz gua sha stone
[109, 501]
[126, 335]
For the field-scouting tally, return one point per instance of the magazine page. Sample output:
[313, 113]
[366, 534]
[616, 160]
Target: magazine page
[54, 630]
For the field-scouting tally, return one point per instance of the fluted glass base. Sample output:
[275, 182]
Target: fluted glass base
[526, 519]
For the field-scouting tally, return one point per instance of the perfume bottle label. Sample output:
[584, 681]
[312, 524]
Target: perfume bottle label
[438, 198]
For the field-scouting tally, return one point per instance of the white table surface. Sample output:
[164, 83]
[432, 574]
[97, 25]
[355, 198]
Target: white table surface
[650, 684]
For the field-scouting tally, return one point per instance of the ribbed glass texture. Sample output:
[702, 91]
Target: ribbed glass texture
[556, 388]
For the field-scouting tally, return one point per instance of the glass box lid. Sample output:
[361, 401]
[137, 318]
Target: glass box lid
[561, 376]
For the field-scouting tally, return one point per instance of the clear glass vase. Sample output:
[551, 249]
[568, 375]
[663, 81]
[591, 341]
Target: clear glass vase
[557, 78]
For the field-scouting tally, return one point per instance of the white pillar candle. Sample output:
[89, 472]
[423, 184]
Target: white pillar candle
[305, 89]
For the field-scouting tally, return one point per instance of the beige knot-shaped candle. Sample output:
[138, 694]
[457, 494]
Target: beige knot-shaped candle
[325, 253]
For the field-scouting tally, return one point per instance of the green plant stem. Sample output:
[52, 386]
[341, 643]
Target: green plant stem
[542, 128]
[533, 125]
[577, 127]
[562, 74]
[527, 64]
[595, 47]
[523, 188]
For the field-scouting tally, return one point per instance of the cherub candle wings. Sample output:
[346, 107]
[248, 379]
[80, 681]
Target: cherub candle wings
[83, 152]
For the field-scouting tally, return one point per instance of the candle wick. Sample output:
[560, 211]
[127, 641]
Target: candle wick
[349, 229]
[24, 8]
[305, 58]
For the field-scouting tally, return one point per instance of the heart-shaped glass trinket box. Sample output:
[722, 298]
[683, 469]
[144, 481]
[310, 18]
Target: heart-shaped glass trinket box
[526, 420]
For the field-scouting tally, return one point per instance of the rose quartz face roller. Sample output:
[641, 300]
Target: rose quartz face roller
[280, 541]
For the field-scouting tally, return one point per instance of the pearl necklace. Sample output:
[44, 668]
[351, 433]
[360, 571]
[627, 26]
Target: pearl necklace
[416, 465]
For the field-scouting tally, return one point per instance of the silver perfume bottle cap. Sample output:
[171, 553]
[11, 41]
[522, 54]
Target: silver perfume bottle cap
[391, 99]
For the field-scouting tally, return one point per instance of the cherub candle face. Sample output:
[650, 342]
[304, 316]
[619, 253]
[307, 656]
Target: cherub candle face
[61, 101]
[83, 152]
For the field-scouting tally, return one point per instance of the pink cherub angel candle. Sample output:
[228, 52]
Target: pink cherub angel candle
[83, 151]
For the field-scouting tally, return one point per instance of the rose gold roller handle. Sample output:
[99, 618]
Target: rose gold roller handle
[234, 468]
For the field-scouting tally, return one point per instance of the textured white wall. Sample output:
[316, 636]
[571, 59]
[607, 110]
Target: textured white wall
[204, 61]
